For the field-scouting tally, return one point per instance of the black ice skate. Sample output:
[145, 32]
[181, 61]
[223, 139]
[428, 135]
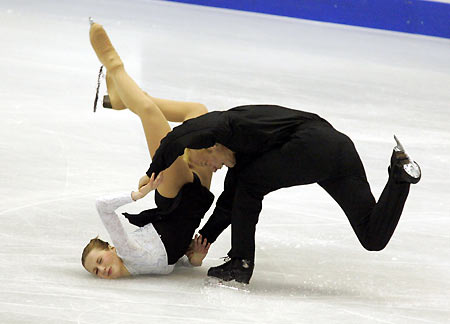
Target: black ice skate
[239, 270]
[222, 272]
[402, 168]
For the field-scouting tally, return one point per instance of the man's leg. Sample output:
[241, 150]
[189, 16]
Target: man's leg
[373, 222]
[304, 159]
[298, 162]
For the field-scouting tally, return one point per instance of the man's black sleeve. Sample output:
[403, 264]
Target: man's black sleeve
[221, 217]
[196, 133]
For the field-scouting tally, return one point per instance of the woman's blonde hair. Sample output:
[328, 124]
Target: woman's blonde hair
[93, 244]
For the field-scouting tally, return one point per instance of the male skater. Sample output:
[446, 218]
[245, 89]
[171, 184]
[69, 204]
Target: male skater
[270, 147]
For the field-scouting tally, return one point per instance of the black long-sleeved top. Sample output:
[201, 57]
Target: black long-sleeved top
[250, 130]
[246, 130]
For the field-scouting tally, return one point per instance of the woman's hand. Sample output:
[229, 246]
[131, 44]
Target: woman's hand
[198, 250]
[146, 185]
[143, 181]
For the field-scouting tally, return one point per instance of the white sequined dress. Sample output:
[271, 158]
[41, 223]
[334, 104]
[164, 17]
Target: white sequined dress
[142, 251]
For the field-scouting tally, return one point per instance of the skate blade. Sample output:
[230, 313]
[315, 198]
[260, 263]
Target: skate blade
[232, 285]
[399, 145]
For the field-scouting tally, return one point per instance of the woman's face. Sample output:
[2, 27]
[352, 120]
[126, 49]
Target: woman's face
[104, 264]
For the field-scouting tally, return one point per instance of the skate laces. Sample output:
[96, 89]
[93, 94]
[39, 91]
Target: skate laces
[225, 258]
[100, 74]
[246, 264]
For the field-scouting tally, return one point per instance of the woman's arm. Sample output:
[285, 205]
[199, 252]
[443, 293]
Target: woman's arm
[130, 247]
[146, 185]
[106, 207]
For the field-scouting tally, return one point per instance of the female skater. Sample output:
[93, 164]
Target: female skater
[182, 198]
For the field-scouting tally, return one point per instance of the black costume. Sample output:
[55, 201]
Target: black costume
[277, 147]
[176, 219]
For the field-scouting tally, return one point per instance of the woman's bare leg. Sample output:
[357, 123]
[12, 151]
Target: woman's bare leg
[173, 110]
[114, 97]
[179, 111]
[176, 111]
[153, 121]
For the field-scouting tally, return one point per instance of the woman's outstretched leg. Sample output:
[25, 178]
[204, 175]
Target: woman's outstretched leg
[179, 111]
[103, 48]
[173, 110]
[128, 91]
[113, 98]
[176, 111]
[154, 123]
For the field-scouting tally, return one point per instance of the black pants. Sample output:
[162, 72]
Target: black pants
[317, 153]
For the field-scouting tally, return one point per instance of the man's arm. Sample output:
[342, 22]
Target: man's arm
[201, 132]
[221, 217]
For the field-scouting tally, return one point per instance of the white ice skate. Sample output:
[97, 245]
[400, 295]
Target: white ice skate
[404, 168]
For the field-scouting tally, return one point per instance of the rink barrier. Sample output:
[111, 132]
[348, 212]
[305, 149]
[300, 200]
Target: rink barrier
[409, 16]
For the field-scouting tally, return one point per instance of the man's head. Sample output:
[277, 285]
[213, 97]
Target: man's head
[213, 157]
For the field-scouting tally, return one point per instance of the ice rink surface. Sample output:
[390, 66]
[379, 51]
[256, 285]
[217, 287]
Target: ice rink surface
[57, 157]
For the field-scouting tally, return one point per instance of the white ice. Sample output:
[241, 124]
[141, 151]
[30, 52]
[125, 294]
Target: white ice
[57, 157]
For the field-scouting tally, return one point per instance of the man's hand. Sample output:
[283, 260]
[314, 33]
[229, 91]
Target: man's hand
[146, 185]
[197, 250]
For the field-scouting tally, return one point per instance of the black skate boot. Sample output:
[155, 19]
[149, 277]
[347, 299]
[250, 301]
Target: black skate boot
[402, 168]
[223, 271]
[240, 270]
